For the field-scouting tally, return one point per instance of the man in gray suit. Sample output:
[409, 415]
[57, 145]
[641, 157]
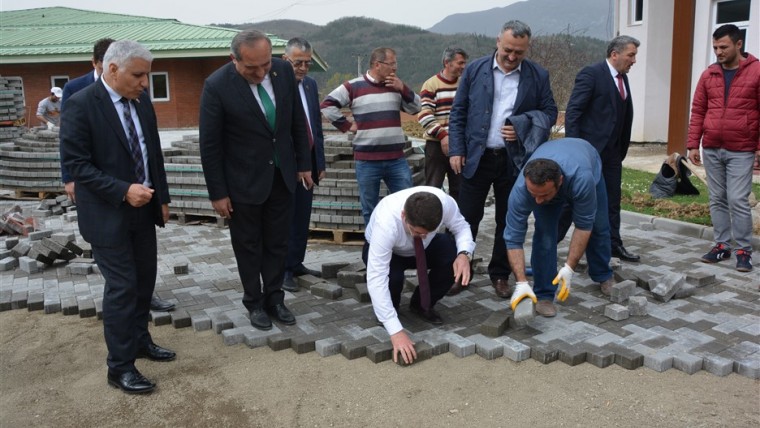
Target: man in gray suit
[255, 151]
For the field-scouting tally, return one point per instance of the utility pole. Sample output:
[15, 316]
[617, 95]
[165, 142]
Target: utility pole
[359, 64]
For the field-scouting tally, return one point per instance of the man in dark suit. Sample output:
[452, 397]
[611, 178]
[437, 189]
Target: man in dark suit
[72, 87]
[255, 151]
[111, 147]
[483, 138]
[298, 53]
[600, 111]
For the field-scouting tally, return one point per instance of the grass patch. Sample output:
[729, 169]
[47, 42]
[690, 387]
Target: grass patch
[692, 209]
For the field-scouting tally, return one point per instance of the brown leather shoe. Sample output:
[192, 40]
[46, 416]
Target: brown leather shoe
[455, 289]
[546, 308]
[502, 287]
[606, 286]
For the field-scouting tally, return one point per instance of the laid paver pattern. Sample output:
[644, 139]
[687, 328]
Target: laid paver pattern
[714, 327]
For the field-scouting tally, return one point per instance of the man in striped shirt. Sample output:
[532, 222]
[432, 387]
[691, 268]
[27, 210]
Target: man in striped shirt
[437, 96]
[375, 99]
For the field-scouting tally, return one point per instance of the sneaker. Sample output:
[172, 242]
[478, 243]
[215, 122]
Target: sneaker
[717, 253]
[743, 261]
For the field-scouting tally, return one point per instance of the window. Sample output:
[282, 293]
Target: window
[159, 86]
[637, 11]
[58, 81]
[733, 12]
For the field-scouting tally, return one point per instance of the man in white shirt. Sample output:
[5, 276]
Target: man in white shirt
[419, 212]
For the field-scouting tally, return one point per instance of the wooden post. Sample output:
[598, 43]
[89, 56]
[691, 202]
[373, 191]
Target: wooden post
[680, 75]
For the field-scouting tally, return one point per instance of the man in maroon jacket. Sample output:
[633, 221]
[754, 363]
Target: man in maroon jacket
[726, 118]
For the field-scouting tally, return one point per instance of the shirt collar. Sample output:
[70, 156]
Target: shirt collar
[613, 72]
[115, 97]
[495, 66]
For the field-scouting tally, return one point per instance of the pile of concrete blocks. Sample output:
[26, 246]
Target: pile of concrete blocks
[32, 162]
[39, 249]
[187, 185]
[59, 205]
[11, 108]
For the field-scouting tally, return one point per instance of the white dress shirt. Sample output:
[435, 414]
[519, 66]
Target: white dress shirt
[505, 87]
[614, 74]
[388, 235]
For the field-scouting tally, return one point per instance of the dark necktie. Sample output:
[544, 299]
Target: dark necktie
[269, 109]
[134, 142]
[308, 132]
[422, 273]
[620, 86]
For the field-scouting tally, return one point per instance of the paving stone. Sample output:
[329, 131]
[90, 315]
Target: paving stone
[717, 365]
[350, 279]
[599, 357]
[302, 344]
[21, 249]
[687, 363]
[330, 270]
[379, 352]
[460, 346]
[625, 357]
[52, 305]
[700, 279]
[572, 355]
[98, 302]
[35, 301]
[621, 291]
[495, 324]
[637, 306]
[686, 290]
[513, 349]
[69, 305]
[181, 269]
[616, 312]
[327, 290]
[234, 336]
[353, 349]
[10, 242]
[79, 268]
[254, 338]
[524, 313]
[86, 308]
[667, 286]
[63, 238]
[328, 346]
[749, 366]
[544, 353]
[39, 234]
[181, 319]
[362, 294]
[487, 348]
[160, 318]
[200, 322]
[220, 322]
[279, 342]
[658, 361]
[8, 263]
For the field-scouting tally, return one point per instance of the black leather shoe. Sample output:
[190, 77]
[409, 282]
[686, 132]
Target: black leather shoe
[289, 283]
[154, 352]
[430, 316]
[303, 270]
[131, 382]
[620, 252]
[455, 289]
[159, 305]
[260, 319]
[282, 314]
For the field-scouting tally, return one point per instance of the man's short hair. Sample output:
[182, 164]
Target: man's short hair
[124, 51]
[450, 53]
[423, 209]
[297, 43]
[540, 171]
[379, 54]
[730, 30]
[619, 43]
[247, 37]
[518, 28]
[100, 48]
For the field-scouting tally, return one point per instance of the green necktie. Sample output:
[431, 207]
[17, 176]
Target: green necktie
[268, 105]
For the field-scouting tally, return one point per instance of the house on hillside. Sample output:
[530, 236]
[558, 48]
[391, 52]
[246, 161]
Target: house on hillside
[49, 46]
[676, 46]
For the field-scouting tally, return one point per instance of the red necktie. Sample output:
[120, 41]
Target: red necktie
[422, 273]
[620, 86]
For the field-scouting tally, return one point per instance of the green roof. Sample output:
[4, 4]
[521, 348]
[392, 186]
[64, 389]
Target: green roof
[62, 34]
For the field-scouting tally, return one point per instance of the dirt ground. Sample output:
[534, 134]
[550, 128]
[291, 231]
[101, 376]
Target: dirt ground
[53, 374]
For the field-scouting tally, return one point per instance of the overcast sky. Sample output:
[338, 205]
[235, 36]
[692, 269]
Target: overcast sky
[419, 13]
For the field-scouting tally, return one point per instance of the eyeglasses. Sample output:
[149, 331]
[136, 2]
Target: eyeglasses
[300, 63]
[389, 64]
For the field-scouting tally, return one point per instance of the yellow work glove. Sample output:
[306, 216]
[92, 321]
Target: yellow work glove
[565, 279]
[522, 290]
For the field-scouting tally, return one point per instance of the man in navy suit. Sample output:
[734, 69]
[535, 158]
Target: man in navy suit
[600, 111]
[110, 145]
[72, 87]
[298, 53]
[255, 151]
[483, 138]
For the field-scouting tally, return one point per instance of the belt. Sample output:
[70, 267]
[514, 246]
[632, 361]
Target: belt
[495, 152]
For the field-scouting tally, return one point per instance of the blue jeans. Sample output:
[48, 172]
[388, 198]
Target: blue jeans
[729, 182]
[395, 173]
[543, 257]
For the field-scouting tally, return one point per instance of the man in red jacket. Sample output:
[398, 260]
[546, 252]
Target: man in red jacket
[725, 116]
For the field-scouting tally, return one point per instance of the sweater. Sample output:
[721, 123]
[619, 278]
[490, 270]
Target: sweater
[436, 98]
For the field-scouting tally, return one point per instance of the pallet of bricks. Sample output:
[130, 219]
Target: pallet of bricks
[187, 185]
[336, 212]
[31, 164]
[11, 108]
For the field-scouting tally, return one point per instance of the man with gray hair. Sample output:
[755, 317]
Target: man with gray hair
[485, 144]
[111, 148]
[600, 111]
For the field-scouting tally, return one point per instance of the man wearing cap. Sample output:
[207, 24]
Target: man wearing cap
[49, 109]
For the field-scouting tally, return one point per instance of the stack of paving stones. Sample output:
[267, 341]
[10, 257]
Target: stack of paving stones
[716, 327]
[32, 162]
[336, 205]
[11, 108]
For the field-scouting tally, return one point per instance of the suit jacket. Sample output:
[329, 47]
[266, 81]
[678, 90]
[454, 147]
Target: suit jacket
[238, 145]
[470, 117]
[70, 88]
[96, 153]
[592, 109]
[315, 118]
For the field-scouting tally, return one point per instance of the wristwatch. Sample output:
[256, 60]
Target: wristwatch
[466, 253]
